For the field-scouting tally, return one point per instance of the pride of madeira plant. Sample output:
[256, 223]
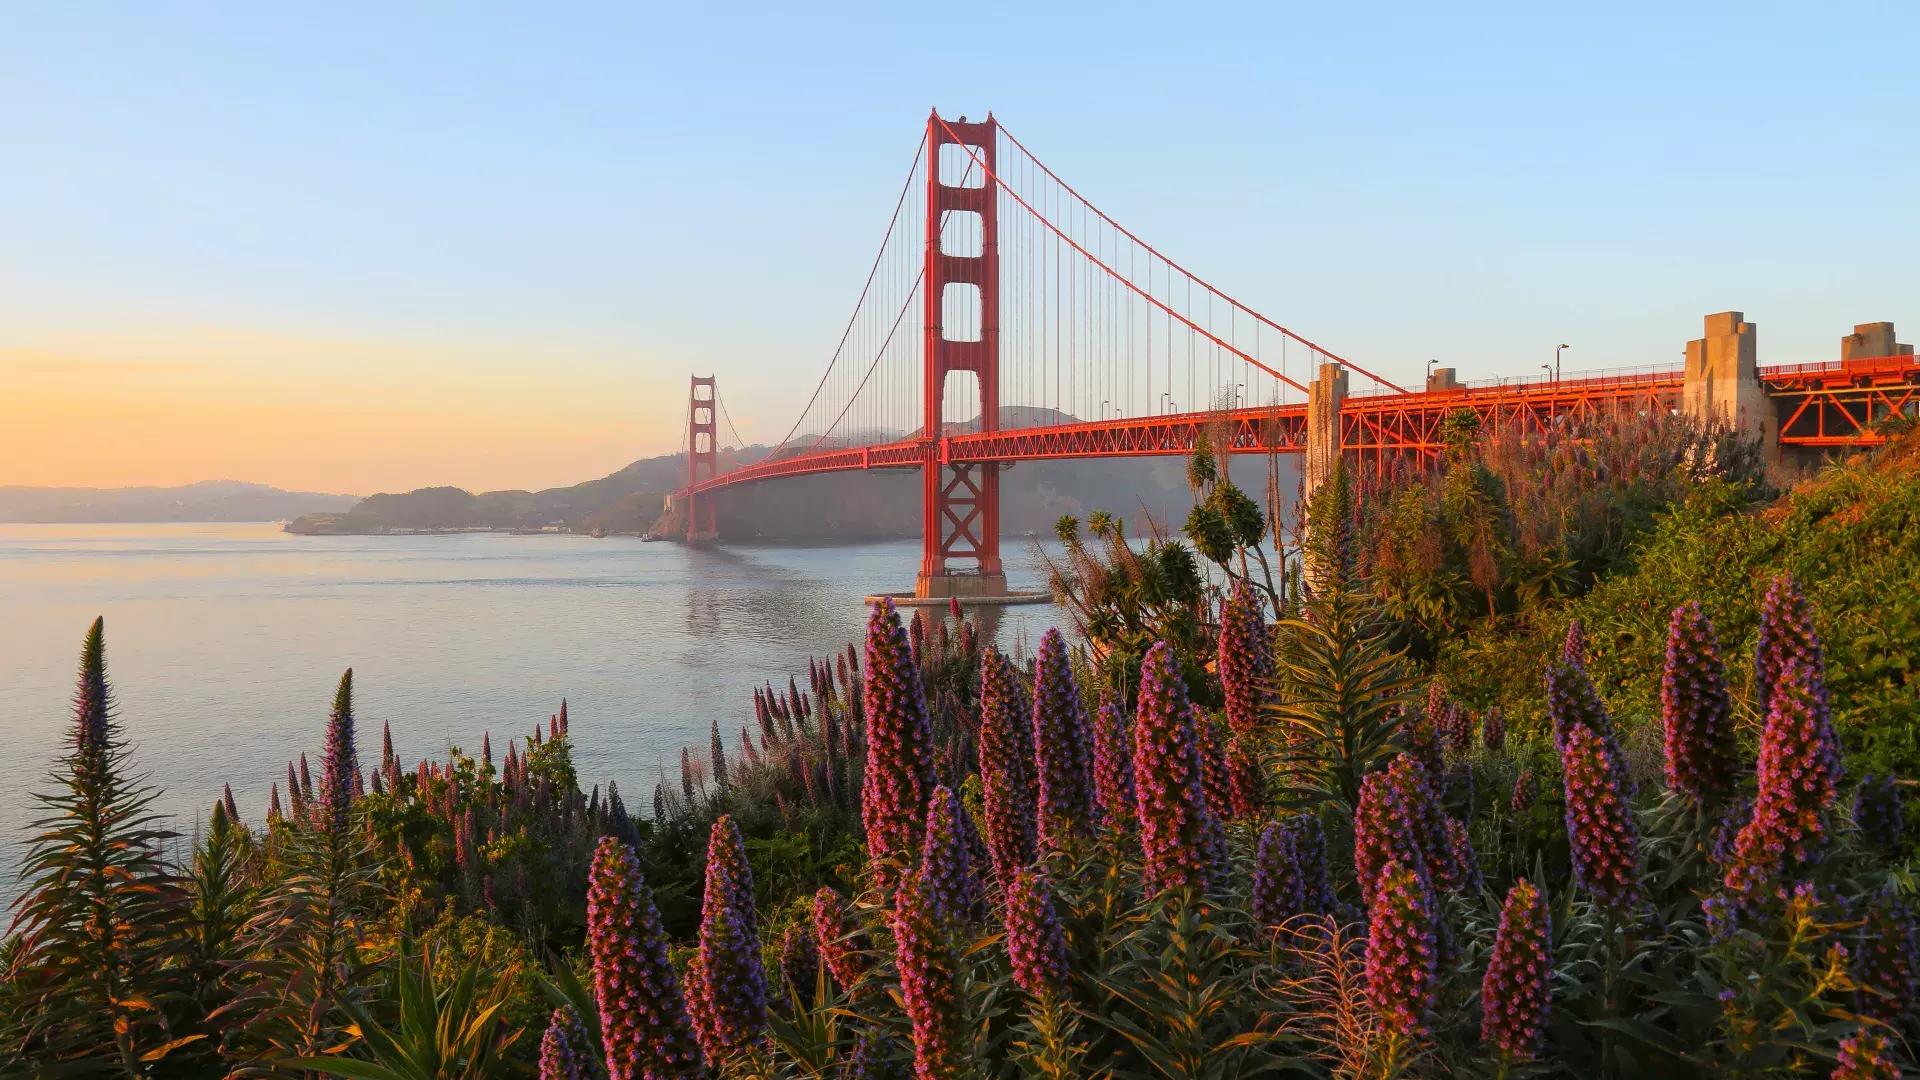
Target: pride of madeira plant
[1226, 835]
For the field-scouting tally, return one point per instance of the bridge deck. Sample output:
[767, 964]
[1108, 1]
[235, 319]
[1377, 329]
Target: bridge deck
[1832, 404]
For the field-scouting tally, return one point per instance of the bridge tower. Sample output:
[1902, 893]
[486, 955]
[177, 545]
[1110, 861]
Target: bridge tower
[960, 503]
[703, 458]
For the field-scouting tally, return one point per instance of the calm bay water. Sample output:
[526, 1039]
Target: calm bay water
[224, 644]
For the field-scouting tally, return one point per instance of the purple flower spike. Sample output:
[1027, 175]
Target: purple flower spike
[899, 773]
[1176, 827]
[1309, 839]
[732, 985]
[1213, 765]
[1383, 832]
[799, 962]
[1456, 729]
[945, 861]
[927, 953]
[1113, 764]
[1279, 892]
[1574, 649]
[1462, 865]
[1600, 828]
[1877, 813]
[1514, 992]
[1006, 786]
[1571, 699]
[1786, 638]
[1402, 950]
[842, 946]
[337, 767]
[1398, 819]
[644, 1026]
[1060, 743]
[1887, 960]
[1694, 707]
[1246, 781]
[1864, 1055]
[1799, 776]
[1245, 660]
[1522, 800]
[1035, 942]
[566, 1053]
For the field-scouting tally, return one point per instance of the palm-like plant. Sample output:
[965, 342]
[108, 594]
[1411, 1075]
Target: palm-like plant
[95, 928]
[220, 897]
[417, 1032]
[1339, 683]
[306, 937]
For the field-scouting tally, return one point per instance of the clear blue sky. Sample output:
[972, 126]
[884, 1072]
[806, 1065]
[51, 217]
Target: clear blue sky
[499, 239]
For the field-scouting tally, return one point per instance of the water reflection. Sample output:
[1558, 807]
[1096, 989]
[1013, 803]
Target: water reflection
[224, 642]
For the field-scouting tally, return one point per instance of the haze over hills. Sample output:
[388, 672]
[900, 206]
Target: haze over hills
[826, 507]
[211, 500]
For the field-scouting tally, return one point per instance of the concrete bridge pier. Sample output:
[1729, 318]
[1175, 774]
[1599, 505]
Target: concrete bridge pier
[1722, 380]
[1325, 397]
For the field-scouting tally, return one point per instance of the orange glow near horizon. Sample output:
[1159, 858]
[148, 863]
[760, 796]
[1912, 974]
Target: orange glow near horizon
[308, 414]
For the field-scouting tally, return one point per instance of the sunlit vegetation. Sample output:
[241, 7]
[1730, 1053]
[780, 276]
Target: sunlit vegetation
[1242, 828]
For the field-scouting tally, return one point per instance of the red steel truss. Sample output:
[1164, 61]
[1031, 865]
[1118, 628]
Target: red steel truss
[960, 501]
[1821, 405]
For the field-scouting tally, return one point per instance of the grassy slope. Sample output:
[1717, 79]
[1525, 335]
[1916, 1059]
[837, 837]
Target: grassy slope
[1850, 536]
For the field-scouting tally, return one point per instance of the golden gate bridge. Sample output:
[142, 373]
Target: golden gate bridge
[1046, 329]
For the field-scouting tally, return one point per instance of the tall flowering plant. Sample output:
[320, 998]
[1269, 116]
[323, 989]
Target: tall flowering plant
[899, 769]
[1036, 945]
[1402, 950]
[1600, 829]
[1006, 784]
[566, 1052]
[1695, 712]
[945, 861]
[842, 945]
[339, 762]
[1244, 658]
[1514, 993]
[730, 987]
[926, 935]
[1060, 741]
[1279, 889]
[1799, 776]
[1175, 822]
[1113, 763]
[644, 1027]
[1786, 638]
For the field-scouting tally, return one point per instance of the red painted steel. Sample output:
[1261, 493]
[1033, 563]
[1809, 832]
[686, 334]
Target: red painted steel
[1822, 405]
[703, 458]
[960, 501]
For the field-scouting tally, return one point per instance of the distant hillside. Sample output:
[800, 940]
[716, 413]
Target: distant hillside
[833, 506]
[213, 500]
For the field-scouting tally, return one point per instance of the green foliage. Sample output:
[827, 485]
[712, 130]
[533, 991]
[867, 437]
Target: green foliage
[402, 944]
[1514, 518]
[1123, 600]
[428, 1027]
[1850, 537]
[1338, 684]
[97, 932]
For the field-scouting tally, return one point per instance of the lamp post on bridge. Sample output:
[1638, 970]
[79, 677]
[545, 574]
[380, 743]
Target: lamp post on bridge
[1556, 361]
[1547, 371]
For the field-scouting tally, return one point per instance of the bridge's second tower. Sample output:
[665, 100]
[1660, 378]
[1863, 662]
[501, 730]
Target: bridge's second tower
[703, 458]
[960, 503]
